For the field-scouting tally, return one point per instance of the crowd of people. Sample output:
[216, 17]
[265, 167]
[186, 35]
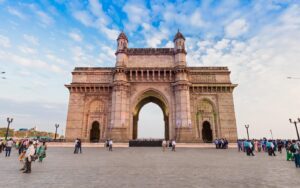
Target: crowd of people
[271, 147]
[28, 151]
[221, 143]
[169, 144]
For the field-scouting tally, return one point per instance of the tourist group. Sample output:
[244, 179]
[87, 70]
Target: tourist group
[28, 150]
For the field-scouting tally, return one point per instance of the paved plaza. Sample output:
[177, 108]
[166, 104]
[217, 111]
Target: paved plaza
[150, 167]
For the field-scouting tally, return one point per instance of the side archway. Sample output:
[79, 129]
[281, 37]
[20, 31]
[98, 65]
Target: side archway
[207, 132]
[207, 120]
[95, 132]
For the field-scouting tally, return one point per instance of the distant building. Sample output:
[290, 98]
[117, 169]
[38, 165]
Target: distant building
[23, 129]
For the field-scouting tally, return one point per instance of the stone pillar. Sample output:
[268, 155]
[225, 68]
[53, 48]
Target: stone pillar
[119, 121]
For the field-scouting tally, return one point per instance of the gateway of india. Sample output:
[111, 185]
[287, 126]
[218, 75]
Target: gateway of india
[105, 102]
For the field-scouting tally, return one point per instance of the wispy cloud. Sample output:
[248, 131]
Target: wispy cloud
[75, 36]
[45, 18]
[31, 39]
[29, 62]
[16, 12]
[236, 28]
[27, 50]
[95, 17]
[4, 41]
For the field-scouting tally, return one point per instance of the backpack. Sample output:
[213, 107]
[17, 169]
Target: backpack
[292, 148]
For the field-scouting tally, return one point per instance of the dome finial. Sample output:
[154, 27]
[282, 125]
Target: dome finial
[122, 35]
[179, 35]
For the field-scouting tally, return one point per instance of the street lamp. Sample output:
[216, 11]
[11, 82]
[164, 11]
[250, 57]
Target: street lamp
[295, 123]
[247, 127]
[9, 120]
[271, 134]
[56, 127]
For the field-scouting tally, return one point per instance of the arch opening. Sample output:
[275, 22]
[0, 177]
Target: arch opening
[151, 122]
[95, 132]
[207, 132]
[139, 106]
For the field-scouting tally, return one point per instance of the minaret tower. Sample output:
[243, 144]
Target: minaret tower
[181, 87]
[120, 101]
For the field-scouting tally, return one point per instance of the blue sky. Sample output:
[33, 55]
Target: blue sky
[42, 41]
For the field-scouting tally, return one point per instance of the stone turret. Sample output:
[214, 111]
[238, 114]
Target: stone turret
[181, 87]
[121, 53]
[179, 47]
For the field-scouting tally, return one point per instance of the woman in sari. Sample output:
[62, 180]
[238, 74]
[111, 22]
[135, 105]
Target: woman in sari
[41, 152]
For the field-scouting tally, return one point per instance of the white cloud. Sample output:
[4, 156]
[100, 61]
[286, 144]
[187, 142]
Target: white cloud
[75, 36]
[45, 18]
[56, 59]
[4, 41]
[169, 44]
[31, 39]
[96, 9]
[27, 50]
[28, 62]
[196, 19]
[223, 44]
[236, 28]
[96, 19]
[260, 66]
[137, 15]
[112, 34]
[84, 17]
[16, 12]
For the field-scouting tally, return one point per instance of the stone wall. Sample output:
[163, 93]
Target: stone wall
[144, 61]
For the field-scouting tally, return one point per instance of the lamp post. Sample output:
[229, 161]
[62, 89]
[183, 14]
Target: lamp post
[295, 123]
[271, 134]
[9, 120]
[56, 127]
[247, 127]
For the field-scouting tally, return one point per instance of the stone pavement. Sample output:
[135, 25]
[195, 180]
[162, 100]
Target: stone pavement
[150, 167]
[126, 145]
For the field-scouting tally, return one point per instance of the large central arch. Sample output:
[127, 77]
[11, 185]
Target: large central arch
[145, 98]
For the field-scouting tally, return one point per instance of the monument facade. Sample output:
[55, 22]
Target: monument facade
[105, 102]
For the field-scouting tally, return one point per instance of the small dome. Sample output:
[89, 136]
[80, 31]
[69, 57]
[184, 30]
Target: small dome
[122, 36]
[179, 36]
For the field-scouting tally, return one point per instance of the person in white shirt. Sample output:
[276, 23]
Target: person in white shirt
[76, 146]
[110, 143]
[173, 145]
[8, 147]
[29, 157]
[164, 145]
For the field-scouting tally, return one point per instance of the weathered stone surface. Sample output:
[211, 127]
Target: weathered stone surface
[188, 96]
[150, 168]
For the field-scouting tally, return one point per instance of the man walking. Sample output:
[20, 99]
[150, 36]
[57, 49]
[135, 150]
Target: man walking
[29, 157]
[76, 146]
[173, 145]
[164, 145]
[8, 147]
[110, 143]
[79, 146]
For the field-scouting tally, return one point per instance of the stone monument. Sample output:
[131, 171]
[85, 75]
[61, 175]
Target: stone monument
[105, 102]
